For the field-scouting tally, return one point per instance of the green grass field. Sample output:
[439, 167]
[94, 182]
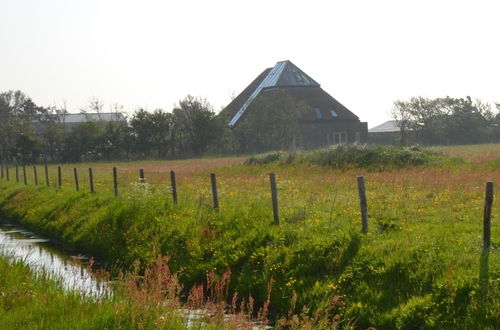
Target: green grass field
[421, 265]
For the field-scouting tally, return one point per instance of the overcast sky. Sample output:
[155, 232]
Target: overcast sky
[150, 54]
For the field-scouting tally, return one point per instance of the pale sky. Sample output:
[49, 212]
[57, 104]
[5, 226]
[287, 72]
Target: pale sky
[151, 54]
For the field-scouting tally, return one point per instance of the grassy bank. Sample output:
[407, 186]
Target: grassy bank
[33, 300]
[420, 265]
[29, 301]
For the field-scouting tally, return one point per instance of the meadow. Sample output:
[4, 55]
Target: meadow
[421, 264]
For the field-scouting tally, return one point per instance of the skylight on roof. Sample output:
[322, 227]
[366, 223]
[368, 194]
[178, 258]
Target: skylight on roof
[333, 113]
[318, 114]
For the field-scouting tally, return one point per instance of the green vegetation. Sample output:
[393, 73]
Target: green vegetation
[356, 156]
[30, 133]
[28, 301]
[446, 120]
[31, 300]
[420, 266]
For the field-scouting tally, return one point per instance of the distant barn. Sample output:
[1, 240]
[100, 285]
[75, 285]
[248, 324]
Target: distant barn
[327, 121]
[78, 118]
[389, 132]
[70, 120]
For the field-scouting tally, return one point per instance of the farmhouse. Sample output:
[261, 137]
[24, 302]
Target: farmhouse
[326, 121]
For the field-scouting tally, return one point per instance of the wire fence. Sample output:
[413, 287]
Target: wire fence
[5, 174]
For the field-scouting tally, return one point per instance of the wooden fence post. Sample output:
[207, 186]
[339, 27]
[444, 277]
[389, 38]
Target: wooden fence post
[35, 174]
[75, 172]
[363, 204]
[215, 195]
[488, 202]
[115, 181]
[91, 180]
[274, 198]
[17, 173]
[141, 176]
[25, 179]
[59, 177]
[173, 185]
[47, 180]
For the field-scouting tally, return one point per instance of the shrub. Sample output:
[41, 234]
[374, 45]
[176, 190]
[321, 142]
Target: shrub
[355, 156]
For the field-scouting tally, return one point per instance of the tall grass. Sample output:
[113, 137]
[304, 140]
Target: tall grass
[34, 301]
[151, 300]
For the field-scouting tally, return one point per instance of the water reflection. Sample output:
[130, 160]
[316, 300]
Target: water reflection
[71, 271]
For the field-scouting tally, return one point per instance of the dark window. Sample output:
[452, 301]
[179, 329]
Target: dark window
[318, 114]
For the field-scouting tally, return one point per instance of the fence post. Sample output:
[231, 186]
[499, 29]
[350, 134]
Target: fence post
[47, 180]
[215, 195]
[91, 180]
[363, 204]
[173, 184]
[59, 177]
[25, 179]
[141, 176]
[115, 181]
[274, 198]
[75, 172]
[35, 174]
[488, 202]
[17, 173]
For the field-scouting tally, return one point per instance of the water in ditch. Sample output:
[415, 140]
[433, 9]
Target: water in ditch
[68, 268]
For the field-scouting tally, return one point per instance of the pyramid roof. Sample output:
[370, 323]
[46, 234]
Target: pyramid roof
[286, 75]
[283, 74]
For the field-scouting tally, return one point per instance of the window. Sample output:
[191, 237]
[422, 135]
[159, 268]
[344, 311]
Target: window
[337, 138]
[333, 113]
[304, 78]
[318, 114]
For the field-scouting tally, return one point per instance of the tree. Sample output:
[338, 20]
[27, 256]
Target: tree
[271, 122]
[118, 140]
[84, 142]
[27, 146]
[195, 127]
[446, 120]
[14, 101]
[467, 120]
[141, 127]
[30, 112]
[94, 105]
[400, 112]
[53, 137]
[18, 135]
[162, 123]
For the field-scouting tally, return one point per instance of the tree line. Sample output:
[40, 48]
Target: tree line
[446, 120]
[30, 133]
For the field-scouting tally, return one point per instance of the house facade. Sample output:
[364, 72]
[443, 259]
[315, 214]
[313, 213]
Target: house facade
[326, 121]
